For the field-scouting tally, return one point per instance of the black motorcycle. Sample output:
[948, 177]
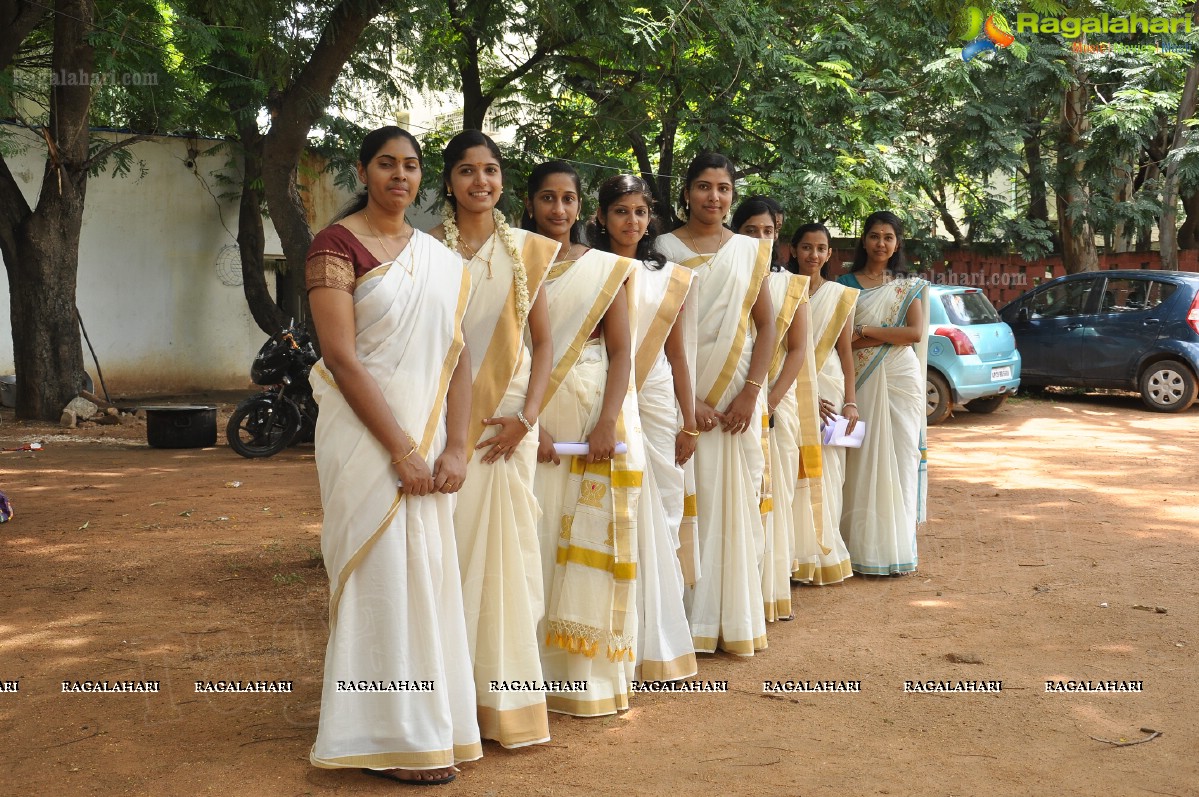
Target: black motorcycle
[284, 413]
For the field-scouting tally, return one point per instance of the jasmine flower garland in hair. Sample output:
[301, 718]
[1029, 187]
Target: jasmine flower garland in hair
[520, 278]
[450, 223]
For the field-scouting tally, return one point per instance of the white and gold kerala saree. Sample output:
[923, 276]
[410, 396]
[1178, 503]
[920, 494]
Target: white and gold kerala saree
[588, 526]
[832, 309]
[497, 513]
[726, 605]
[665, 651]
[789, 294]
[397, 687]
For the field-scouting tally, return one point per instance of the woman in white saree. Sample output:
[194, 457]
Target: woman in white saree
[832, 324]
[398, 698]
[789, 294]
[885, 485]
[496, 518]
[589, 502]
[727, 292]
[624, 224]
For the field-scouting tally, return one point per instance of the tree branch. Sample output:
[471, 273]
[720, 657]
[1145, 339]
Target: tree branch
[108, 149]
[17, 20]
[543, 51]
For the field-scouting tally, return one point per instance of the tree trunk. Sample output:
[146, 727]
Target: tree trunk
[664, 183]
[1188, 233]
[941, 204]
[1123, 235]
[474, 103]
[1168, 222]
[41, 245]
[299, 108]
[251, 238]
[1078, 236]
[1038, 191]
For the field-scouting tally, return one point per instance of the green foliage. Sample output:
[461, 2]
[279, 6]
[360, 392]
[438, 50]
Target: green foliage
[835, 109]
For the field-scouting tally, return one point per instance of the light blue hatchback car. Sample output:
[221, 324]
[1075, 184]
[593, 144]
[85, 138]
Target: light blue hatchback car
[972, 356]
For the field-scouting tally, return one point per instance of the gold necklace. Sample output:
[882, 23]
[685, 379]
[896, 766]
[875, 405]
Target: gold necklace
[475, 253]
[390, 257]
[565, 254]
[695, 246]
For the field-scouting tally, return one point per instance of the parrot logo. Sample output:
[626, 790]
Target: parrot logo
[984, 32]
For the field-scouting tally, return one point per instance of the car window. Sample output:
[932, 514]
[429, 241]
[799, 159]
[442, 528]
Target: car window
[968, 308]
[1063, 299]
[1132, 295]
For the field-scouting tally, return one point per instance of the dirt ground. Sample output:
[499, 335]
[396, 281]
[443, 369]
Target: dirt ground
[1050, 522]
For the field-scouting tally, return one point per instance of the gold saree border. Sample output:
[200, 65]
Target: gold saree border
[616, 278]
[323, 373]
[597, 560]
[662, 323]
[515, 727]
[846, 300]
[560, 704]
[677, 669]
[503, 351]
[795, 295]
[743, 647]
[761, 269]
[778, 609]
[823, 575]
[435, 759]
[377, 272]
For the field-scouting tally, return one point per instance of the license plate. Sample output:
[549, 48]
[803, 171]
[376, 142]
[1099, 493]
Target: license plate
[998, 374]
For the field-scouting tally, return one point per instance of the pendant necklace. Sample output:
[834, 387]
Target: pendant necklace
[390, 257]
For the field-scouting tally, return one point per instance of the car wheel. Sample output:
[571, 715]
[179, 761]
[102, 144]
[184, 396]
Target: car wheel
[1167, 386]
[939, 397]
[986, 405]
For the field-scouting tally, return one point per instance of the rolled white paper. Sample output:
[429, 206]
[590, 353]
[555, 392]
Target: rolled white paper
[582, 449]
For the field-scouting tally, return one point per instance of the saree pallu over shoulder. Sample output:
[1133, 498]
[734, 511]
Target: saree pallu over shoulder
[787, 293]
[395, 609]
[886, 306]
[493, 332]
[589, 285]
[660, 296]
[665, 650]
[729, 292]
[832, 306]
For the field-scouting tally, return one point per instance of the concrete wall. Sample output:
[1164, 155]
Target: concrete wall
[159, 316]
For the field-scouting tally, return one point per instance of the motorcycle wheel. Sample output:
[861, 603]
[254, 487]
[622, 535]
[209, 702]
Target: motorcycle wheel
[262, 426]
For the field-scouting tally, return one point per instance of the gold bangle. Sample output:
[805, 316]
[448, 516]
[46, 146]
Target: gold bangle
[688, 431]
[758, 385]
[401, 459]
[411, 451]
